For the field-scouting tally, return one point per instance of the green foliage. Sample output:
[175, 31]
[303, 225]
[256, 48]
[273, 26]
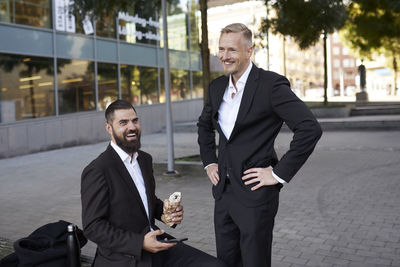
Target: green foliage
[305, 21]
[373, 25]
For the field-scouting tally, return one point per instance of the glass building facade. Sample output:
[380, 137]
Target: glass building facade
[53, 62]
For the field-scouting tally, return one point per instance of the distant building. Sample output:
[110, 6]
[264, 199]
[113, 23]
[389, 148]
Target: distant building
[59, 71]
[344, 68]
[96, 62]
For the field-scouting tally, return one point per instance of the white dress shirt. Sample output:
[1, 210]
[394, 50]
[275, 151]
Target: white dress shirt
[132, 165]
[229, 108]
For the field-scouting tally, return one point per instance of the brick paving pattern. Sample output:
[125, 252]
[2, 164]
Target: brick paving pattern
[342, 209]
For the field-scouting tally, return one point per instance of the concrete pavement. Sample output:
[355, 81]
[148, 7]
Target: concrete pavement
[342, 208]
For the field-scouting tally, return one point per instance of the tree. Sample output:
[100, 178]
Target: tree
[374, 27]
[205, 51]
[305, 21]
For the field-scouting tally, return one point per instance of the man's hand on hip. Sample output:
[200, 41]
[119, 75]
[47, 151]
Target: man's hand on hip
[261, 175]
[212, 172]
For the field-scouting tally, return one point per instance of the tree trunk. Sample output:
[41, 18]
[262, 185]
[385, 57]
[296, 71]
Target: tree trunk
[325, 72]
[205, 52]
[284, 55]
[394, 88]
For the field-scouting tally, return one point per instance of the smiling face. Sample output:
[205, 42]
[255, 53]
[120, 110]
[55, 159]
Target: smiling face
[124, 130]
[234, 53]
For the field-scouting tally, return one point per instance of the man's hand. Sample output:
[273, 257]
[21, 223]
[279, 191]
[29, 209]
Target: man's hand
[212, 172]
[151, 244]
[261, 175]
[177, 215]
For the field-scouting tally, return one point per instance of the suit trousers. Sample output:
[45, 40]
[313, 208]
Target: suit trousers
[244, 234]
[183, 255]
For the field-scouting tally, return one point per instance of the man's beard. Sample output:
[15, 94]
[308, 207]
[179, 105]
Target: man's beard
[229, 72]
[129, 147]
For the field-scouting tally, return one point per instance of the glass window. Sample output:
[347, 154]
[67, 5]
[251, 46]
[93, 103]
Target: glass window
[105, 26]
[28, 12]
[68, 20]
[79, 25]
[197, 84]
[180, 85]
[27, 89]
[336, 63]
[336, 50]
[194, 22]
[139, 85]
[107, 82]
[75, 86]
[177, 26]
[162, 86]
[141, 26]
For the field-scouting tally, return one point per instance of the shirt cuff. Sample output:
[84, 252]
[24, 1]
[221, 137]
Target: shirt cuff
[210, 165]
[276, 177]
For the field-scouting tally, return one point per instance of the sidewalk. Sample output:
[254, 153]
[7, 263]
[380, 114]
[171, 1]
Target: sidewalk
[342, 208]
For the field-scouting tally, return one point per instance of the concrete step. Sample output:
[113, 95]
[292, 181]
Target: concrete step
[377, 122]
[375, 110]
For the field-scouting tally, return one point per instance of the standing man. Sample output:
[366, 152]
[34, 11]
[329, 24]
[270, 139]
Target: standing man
[247, 107]
[119, 203]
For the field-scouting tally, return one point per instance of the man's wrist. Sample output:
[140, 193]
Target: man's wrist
[280, 180]
[205, 168]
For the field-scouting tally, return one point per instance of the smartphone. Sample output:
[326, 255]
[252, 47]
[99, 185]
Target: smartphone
[173, 240]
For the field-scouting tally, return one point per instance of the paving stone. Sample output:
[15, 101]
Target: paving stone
[336, 261]
[294, 260]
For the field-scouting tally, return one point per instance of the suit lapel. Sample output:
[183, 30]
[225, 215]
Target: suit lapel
[247, 98]
[147, 176]
[126, 177]
[218, 96]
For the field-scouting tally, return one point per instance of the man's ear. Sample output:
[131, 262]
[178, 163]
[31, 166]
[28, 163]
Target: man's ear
[250, 51]
[108, 128]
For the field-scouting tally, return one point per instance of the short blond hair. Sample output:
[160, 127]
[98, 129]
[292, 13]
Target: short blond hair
[239, 27]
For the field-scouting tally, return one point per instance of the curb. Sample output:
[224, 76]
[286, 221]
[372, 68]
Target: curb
[378, 123]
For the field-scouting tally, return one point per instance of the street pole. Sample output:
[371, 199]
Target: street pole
[167, 83]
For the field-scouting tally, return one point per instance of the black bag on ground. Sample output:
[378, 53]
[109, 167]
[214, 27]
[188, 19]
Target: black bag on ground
[45, 247]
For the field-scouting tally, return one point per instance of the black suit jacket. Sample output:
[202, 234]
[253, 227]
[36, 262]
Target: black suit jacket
[113, 214]
[267, 102]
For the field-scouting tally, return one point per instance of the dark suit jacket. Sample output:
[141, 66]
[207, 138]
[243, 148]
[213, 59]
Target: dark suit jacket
[267, 102]
[113, 214]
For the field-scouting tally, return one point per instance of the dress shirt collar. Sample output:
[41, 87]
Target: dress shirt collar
[241, 82]
[125, 157]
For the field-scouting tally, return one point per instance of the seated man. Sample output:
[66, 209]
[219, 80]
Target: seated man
[119, 202]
